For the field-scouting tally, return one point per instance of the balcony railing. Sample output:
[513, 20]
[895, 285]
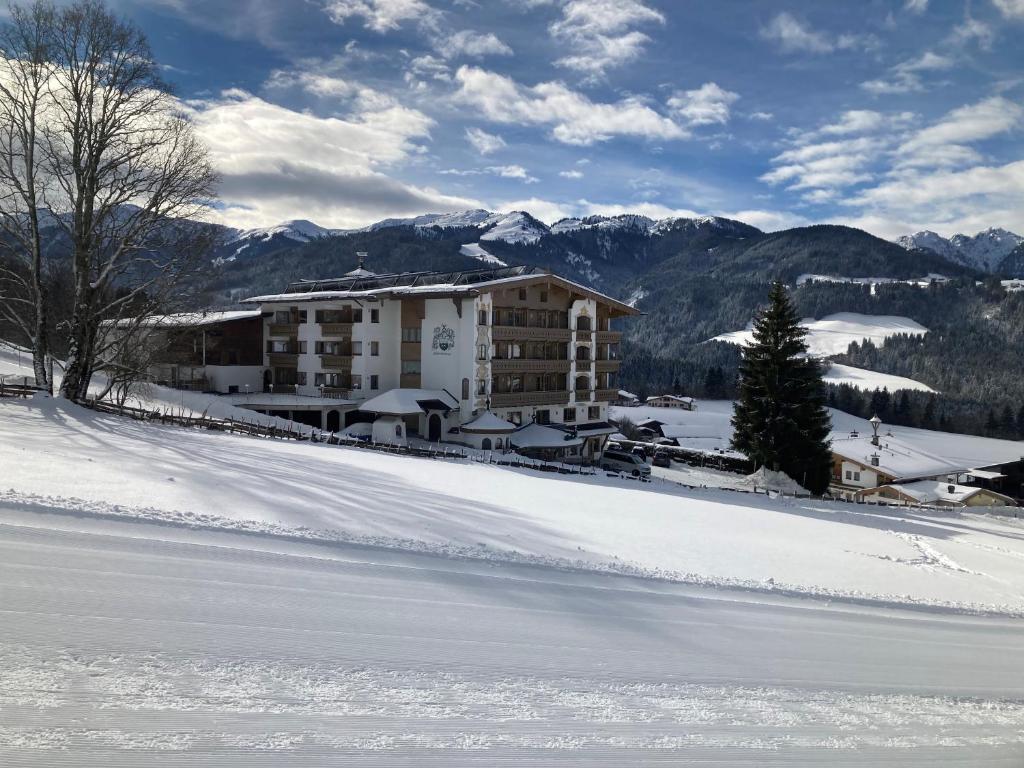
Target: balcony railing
[609, 337]
[335, 361]
[583, 395]
[504, 365]
[283, 329]
[338, 393]
[335, 329]
[282, 389]
[606, 395]
[522, 333]
[283, 359]
[585, 364]
[608, 366]
[508, 399]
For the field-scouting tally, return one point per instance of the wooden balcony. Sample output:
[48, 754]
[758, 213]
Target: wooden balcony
[283, 359]
[335, 329]
[512, 399]
[518, 333]
[337, 393]
[583, 395]
[283, 329]
[282, 389]
[334, 362]
[608, 366]
[606, 395]
[584, 365]
[502, 365]
[609, 337]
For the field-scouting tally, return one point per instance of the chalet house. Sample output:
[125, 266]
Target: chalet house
[439, 351]
[672, 401]
[888, 468]
[936, 493]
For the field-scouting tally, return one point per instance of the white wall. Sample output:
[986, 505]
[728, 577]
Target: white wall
[223, 377]
[445, 369]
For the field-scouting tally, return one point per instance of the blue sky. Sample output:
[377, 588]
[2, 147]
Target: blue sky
[892, 115]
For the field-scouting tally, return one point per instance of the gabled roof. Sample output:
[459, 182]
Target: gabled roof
[927, 491]
[469, 282]
[896, 459]
[677, 398]
[541, 436]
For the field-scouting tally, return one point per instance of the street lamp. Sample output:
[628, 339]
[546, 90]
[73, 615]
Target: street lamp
[875, 424]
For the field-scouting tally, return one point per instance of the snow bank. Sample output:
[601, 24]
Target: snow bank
[765, 478]
[866, 380]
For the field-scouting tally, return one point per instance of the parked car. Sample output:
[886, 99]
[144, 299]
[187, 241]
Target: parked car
[620, 461]
[639, 450]
[662, 459]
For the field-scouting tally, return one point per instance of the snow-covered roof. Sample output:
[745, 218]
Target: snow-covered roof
[193, 319]
[925, 491]
[985, 474]
[896, 458]
[627, 395]
[677, 398]
[408, 402]
[540, 436]
[594, 429]
[268, 399]
[488, 422]
[426, 284]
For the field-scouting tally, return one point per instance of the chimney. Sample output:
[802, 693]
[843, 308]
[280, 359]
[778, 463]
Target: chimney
[875, 424]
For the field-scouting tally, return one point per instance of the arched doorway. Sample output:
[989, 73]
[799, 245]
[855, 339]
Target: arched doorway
[485, 444]
[333, 421]
[434, 428]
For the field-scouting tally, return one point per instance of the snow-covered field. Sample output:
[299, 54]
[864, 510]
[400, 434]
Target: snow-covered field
[177, 597]
[833, 334]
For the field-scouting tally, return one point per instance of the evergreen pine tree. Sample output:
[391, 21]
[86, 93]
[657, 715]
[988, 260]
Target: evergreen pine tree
[780, 420]
[1020, 422]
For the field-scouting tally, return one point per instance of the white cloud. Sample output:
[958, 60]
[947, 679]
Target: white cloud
[513, 172]
[905, 77]
[768, 221]
[916, 6]
[427, 66]
[707, 105]
[571, 174]
[792, 35]
[1011, 9]
[382, 15]
[280, 164]
[973, 29]
[761, 116]
[574, 118]
[602, 34]
[315, 83]
[483, 142]
[547, 211]
[473, 44]
[970, 123]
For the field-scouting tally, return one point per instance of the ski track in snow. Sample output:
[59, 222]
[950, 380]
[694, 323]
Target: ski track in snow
[120, 649]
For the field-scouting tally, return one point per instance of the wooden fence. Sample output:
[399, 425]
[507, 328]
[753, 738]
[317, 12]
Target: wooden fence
[9, 387]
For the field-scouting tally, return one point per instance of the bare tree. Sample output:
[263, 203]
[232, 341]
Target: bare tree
[25, 70]
[123, 168]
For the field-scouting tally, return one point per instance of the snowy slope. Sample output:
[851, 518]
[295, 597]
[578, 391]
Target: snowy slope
[54, 450]
[833, 334]
[476, 251]
[866, 380]
[128, 644]
[299, 230]
[515, 227]
[985, 250]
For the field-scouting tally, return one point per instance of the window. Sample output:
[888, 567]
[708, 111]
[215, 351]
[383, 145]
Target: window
[542, 417]
[302, 315]
[282, 317]
[357, 347]
[357, 381]
[374, 349]
[516, 417]
[374, 381]
[412, 334]
[568, 415]
[465, 389]
[856, 476]
[482, 317]
[410, 366]
[849, 475]
[594, 413]
[481, 351]
[357, 315]
[522, 294]
[232, 389]
[481, 386]
[319, 379]
[374, 315]
[302, 347]
[300, 378]
[543, 295]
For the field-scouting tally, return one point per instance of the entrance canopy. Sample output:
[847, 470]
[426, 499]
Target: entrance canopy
[410, 402]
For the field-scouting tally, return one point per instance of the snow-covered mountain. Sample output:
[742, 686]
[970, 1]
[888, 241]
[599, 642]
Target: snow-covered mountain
[986, 250]
[299, 230]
